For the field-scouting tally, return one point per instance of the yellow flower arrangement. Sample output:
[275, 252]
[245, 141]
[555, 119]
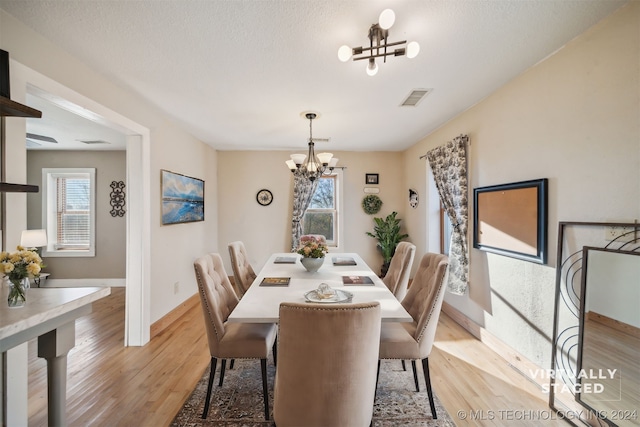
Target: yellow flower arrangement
[17, 266]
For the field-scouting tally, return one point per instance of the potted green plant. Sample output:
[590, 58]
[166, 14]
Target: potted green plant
[387, 231]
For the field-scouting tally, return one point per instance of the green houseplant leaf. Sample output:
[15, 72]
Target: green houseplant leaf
[387, 232]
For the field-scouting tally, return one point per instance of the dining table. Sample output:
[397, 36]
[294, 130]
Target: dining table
[284, 278]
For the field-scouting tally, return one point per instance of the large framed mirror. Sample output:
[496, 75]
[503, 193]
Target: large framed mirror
[595, 356]
[608, 363]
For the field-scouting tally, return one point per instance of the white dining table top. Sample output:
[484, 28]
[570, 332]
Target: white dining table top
[261, 304]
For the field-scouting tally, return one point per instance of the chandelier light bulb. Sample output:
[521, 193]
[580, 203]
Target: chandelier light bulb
[344, 53]
[291, 164]
[387, 18]
[325, 158]
[413, 49]
[372, 68]
[298, 159]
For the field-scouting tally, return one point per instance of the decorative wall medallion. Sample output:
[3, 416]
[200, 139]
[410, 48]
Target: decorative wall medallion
[117, 198]
[264, 197]
[413, 198]
[371, 204]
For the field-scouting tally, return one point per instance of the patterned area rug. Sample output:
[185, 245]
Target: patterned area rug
[239, 401]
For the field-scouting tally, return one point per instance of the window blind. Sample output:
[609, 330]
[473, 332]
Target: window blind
[73, 213]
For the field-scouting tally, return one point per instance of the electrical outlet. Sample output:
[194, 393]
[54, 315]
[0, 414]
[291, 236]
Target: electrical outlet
[176, 287]
[620, 234]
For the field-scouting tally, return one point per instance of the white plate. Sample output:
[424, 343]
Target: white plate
[340, 296]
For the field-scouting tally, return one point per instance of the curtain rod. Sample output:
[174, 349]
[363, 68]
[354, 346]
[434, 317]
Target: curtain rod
[466, 137]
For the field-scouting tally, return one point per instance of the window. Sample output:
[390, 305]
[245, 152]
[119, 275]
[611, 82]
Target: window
[322, 215]
[445, 231]
[68, 211]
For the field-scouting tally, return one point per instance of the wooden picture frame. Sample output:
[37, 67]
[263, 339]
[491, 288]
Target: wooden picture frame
[182, 198]
[371, 179]
[511, 219]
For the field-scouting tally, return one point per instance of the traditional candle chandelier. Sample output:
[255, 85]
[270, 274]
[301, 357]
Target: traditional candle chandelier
[311, 166]
[378, 45]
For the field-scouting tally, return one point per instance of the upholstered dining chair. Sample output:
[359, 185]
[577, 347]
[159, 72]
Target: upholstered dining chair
[397, 277]
[229, 340]
[243, 274]
[326, 373]
[413, 341]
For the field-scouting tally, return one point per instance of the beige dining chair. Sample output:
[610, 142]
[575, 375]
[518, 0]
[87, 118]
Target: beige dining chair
[414, 340]
[229, 340]
[326, 373]
[397, 277]
[243, 274]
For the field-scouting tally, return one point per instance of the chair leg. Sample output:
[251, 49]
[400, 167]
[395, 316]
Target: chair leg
[212, 373]
[425, 368]
[404, 365]
[275, 352]
[265, 390]
[378, 374]
[415, 375]
[222, 368]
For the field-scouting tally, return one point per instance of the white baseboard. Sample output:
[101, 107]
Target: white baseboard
[79, 283]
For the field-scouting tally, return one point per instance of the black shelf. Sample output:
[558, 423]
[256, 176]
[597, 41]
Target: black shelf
[9, 108]
[6, 187]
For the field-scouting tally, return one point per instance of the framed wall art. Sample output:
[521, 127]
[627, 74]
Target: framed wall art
[511, 220]
[182, 198]
[371, 178]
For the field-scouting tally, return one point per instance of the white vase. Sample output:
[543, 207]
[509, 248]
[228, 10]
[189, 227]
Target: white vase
[312, 264]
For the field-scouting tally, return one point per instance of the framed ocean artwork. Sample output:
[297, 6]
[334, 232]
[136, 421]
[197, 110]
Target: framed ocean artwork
[182, 198]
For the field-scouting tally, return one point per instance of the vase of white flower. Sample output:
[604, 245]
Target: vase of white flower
[18, 267]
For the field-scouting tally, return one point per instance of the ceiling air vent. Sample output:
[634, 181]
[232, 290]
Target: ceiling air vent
[35, 137]
[415, 97]
[93, 142]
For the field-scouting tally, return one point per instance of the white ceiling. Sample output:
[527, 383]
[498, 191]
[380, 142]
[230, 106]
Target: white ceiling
[237, 74]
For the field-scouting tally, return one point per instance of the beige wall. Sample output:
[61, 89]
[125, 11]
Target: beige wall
[173, 248]
[574, 119]
[267, 229]
[110, 259]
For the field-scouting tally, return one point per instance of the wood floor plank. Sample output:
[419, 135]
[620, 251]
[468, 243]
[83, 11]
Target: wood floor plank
[111, 385]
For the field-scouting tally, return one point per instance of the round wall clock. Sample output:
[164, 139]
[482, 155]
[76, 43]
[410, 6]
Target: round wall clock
[264, 197]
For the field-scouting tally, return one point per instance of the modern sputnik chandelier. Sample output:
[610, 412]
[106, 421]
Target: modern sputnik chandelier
[311, 166]
[379, 45]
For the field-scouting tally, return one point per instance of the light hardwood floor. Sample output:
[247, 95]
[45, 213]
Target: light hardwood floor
[110, 385]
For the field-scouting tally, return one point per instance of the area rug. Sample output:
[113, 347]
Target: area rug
[238, 403]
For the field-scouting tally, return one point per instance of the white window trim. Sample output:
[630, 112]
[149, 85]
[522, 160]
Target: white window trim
[49, 217]
[338, 224]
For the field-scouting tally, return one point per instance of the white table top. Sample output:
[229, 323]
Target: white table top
[261, 304]
[45, 308]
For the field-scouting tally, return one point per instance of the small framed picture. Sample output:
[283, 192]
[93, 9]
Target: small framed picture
[371, 178]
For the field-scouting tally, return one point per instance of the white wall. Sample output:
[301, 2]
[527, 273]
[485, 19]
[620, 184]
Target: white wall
[173, 248]
[573, 119]
[612, 286]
